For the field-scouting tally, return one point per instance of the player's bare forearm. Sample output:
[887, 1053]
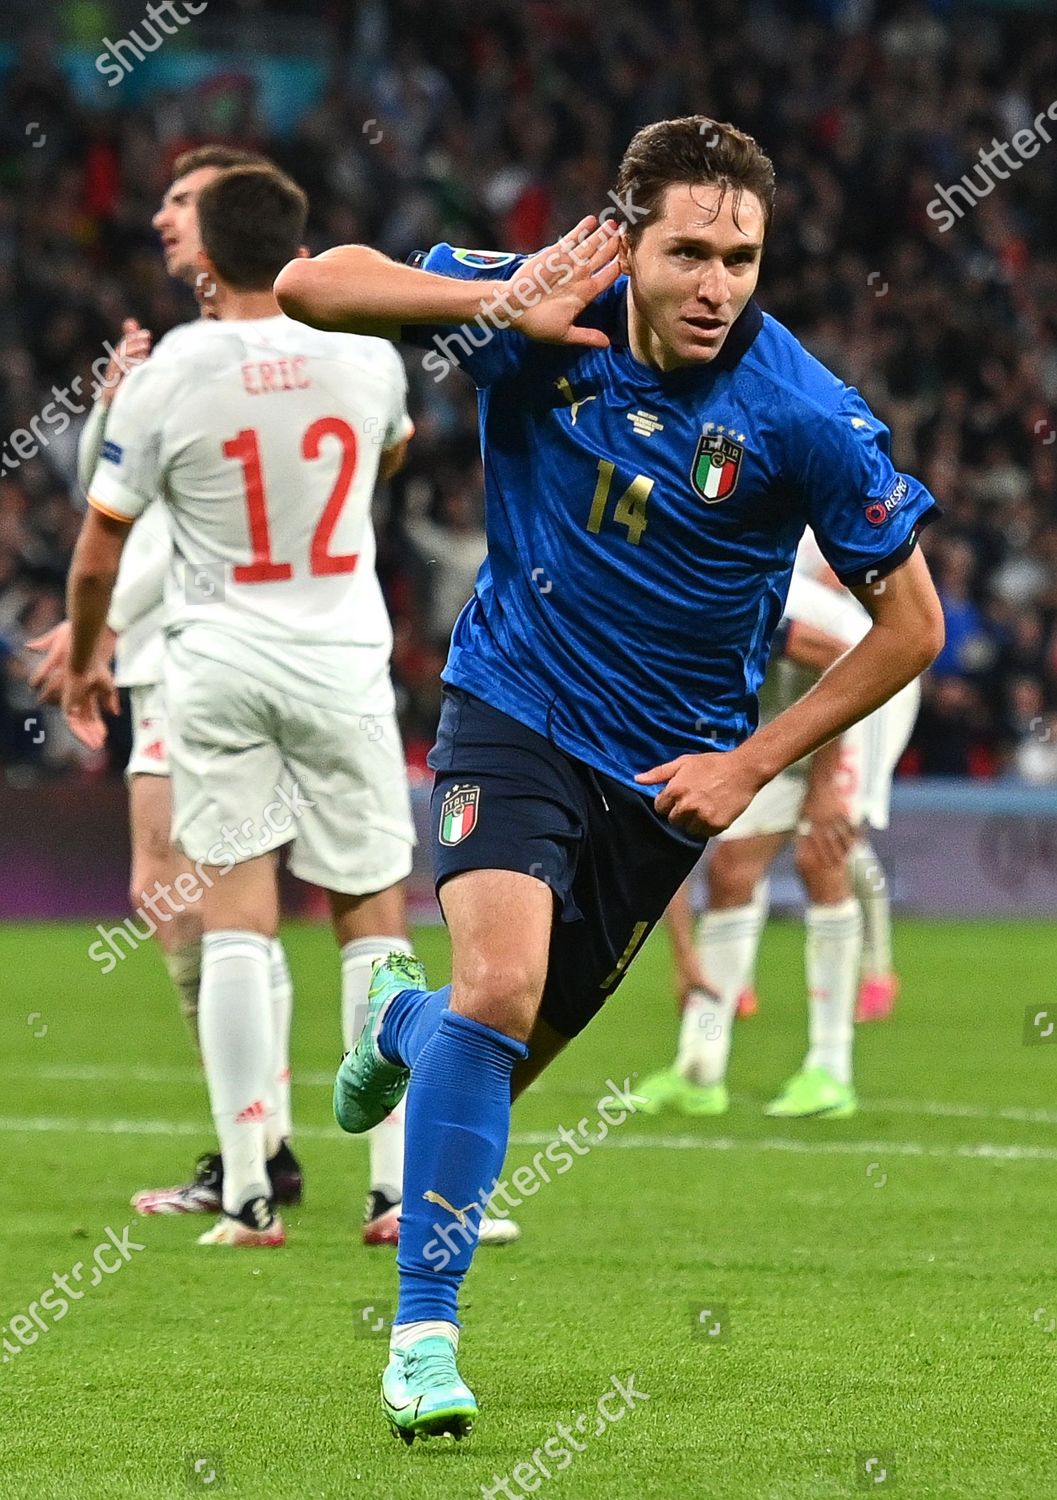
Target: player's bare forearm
[705, 793]
[824, 766]
[807, 646]
[354, 289]
[91, 584]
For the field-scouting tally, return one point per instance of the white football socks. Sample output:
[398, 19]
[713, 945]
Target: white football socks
[385, 1143]
[870, 884]
[761, 904]
[832, 952]
[185, 970]
[406, 1334]
[727, 944]
[279, 1126]
[235, 1025]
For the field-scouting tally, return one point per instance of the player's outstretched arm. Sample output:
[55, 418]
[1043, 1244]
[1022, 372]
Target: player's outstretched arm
[705, 793]
[354, 289]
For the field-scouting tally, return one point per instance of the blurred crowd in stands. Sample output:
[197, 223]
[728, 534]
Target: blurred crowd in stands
[500, 125]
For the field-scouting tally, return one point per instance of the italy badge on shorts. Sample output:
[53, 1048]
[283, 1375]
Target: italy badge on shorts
[458, 814]
[717, 463]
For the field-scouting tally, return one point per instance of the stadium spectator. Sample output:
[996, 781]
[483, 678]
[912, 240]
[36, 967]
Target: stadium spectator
[483, 126]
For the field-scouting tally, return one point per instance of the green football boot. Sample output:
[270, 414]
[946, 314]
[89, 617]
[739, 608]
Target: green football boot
[668, 1089]
[368, 1086]
[814, 1093]
[423, 1394]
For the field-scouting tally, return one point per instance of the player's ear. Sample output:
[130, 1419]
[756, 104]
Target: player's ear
[624, 251]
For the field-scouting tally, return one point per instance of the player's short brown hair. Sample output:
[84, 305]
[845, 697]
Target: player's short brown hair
[252, 221]
[692, 149]
[220, 157]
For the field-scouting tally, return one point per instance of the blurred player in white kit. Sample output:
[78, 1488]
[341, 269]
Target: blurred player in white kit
[135, 625]
[265, 442]
[135, 638]
[823, 804]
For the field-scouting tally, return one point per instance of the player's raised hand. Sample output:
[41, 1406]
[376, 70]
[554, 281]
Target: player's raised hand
[552, 288]
[704, 793]
[86, 696]
[133, 348]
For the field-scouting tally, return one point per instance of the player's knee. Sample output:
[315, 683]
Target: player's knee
[141, 881]
[825, 880]
[808, 861]
[150, 875]
[501, 993]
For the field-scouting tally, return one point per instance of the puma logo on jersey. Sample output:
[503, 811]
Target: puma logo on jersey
[566, 389]
[459, 1213]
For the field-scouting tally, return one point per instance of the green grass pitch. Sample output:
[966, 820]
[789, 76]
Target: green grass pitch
[879, 1289]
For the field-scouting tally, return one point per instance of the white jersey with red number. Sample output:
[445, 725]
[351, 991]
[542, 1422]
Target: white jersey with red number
[263, 437]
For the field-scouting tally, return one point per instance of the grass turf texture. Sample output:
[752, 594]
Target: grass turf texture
[884, 1285]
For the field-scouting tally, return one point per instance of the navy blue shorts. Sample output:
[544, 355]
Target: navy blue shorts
[505, 798]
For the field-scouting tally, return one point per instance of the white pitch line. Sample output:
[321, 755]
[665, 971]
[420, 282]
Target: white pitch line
[106, 1073]
[972, 1151]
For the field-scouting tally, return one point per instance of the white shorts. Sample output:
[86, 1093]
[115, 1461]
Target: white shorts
[150, 732]
[869, 755]
[256, 765]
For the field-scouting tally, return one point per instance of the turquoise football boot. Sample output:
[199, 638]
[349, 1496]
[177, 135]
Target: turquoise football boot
[368, 1086]
[423, 1394]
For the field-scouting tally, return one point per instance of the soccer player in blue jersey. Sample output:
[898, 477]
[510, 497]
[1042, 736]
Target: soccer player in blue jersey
[654, 446]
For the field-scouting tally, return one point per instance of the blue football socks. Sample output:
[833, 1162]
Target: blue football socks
[457, 1125]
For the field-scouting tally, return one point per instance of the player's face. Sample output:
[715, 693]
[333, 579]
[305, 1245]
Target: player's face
[693, 269]
[177, 223]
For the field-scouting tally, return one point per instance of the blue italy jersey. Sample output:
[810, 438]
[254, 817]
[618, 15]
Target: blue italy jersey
[641, 526]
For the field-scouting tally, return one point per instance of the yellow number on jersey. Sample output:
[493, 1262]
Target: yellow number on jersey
[631, 507]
